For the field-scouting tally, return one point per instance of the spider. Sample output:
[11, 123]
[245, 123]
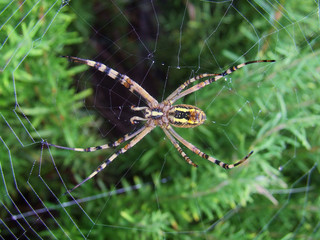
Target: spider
[163, 114]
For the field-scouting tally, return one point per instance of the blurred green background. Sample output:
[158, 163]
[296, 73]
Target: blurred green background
[271, 108]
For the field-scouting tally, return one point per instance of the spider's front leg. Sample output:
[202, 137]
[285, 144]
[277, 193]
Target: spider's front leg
[104, 146]
[144, 131]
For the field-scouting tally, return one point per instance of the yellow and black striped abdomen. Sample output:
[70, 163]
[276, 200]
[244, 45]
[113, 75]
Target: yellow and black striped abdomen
[186, 116]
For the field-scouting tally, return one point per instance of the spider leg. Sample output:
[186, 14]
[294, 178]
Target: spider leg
[177, 94]
[106, 162]
[105, 146]
[177, 146]
[205, 156]
[188, 82]
[123, 79]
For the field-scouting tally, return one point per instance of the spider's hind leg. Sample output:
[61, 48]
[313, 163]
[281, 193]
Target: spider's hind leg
[176, 145]
[204, 155]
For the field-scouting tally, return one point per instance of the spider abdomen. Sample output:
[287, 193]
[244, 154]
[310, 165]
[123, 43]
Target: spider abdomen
[186, 116]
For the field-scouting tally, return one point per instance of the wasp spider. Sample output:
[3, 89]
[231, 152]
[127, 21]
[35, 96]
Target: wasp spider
[164, 115]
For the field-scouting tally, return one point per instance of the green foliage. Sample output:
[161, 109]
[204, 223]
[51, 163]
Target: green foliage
[271, 108]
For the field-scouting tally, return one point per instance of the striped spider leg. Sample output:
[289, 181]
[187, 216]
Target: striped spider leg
[123, 79]
[177, 94]
[105, 146]
[142, 134]
[164, 115]
[202, 154]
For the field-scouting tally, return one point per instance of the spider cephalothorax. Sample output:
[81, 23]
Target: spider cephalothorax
[164, 115]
